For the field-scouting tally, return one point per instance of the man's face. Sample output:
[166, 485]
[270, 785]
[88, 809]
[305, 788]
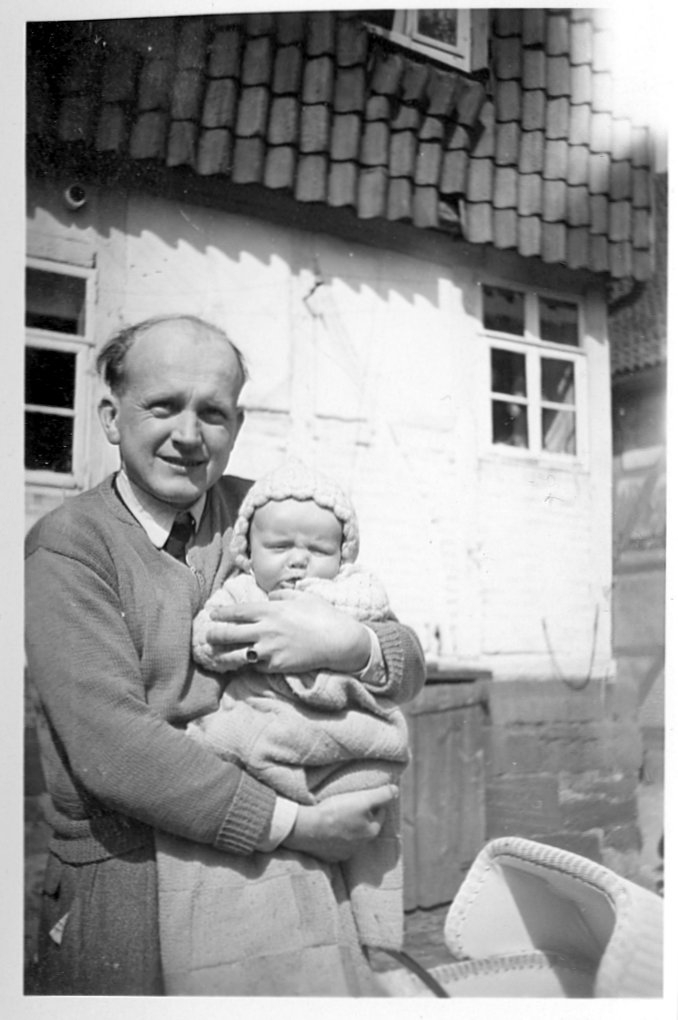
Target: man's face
[177, 418]
[291, 539]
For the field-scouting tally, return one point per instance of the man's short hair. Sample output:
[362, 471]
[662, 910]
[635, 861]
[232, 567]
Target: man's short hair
[110, 361]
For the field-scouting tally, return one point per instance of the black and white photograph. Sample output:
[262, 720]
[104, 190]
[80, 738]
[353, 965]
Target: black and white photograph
[344, 500]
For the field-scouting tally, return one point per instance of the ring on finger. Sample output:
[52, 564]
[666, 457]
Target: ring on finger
[252, 655]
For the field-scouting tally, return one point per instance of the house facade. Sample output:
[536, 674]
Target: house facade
[410, 230]
[639, 341]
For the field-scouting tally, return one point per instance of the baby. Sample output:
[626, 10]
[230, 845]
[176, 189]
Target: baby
[297, 529]
[312, 735]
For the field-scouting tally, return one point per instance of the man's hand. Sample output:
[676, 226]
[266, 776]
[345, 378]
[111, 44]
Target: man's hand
[292, 632]
[335, 828]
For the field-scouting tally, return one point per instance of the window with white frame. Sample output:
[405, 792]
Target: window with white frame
[58, 341]
[536, 370]
[457, 37]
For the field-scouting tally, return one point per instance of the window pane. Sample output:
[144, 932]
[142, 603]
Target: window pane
[55, 301]
[509, 423]
[440, 25]
[557, 380]
[508, 373]
[559, 321]
[50, 377]
[558, 431]
[49, 442]
[504, 310]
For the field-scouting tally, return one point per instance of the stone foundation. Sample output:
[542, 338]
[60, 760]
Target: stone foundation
[562, 766]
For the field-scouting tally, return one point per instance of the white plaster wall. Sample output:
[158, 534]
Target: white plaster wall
[370, 365]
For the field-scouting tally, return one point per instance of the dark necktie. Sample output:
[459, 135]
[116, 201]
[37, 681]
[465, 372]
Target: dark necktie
[180, 536]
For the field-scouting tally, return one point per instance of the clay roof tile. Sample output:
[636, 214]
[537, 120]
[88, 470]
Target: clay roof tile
[287, 70]
[259, 23]
[508, 143]
[219, 104]
[284, 122]
[507, 101]
[505, 193]
[443, 88]
[372, 192]
[470, 103]
[214, 152]
[248, 160]
[414, 82]
[320, 33]
[581, 42]
[580, 124]
[557, 33]
[507, 59]
[187, 94]
[192, 44]
[290, 27]
[577, 164]
[557, 118]
[555, 159]
[155, 83]
[578, 208]
[534, 69]
[149, 134]
[553, 242]
[345, 141]
[351, 43]
[224, 54]
[387, 73]
[478, 222]
[428, 163]
[425, 207]
[349, 90]
[534, 110]
[505, 225]
[318, 80]
[530, 194]
[558, 77]
[257, 64]
[181, 143]
[315, 128]
[529, 235]
[454, 171]
[555, 201]
[252, 114]
[399, 199]
[342, 185]
[480, 180]
[534, 26]
[375, 144]
[620, 179]
[280, 166]
[508, 21]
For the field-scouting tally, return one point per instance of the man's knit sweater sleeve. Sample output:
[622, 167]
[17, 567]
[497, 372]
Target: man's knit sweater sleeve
[404, 660]
[113, 748]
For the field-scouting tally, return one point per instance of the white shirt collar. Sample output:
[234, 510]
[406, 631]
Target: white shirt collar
[155, 518]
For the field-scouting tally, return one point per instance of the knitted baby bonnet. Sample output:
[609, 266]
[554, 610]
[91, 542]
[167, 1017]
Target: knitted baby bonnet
[294, 480]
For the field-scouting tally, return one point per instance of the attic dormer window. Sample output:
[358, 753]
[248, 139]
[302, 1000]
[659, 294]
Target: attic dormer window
[451, 36]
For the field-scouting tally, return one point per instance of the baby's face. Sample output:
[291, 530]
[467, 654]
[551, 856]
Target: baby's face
[291, 539]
